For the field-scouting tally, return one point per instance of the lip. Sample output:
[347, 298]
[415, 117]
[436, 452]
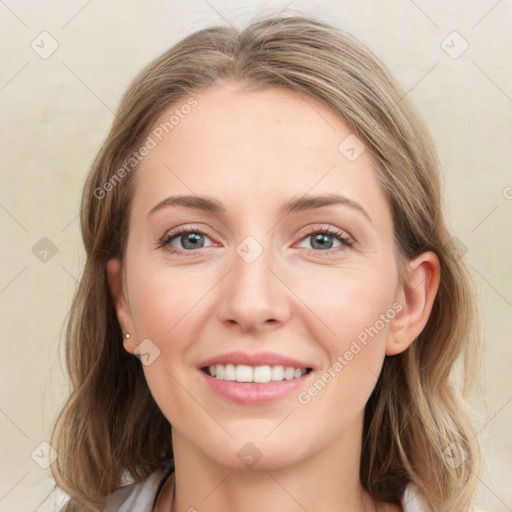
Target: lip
[257, 359]
[250, 393]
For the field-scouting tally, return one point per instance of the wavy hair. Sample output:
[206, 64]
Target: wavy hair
[111, 427]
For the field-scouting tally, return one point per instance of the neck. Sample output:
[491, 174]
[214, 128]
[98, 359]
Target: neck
[326, 481]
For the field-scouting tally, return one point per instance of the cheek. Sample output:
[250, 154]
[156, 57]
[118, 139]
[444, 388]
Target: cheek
[350, 320]
[341, 309]
[345, 302]
[165, 304]
[165, 309]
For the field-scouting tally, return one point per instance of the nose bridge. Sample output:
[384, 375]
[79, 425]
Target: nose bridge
[253, 294]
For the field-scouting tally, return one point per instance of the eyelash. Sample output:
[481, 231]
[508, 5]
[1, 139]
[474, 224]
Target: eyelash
[164, 243]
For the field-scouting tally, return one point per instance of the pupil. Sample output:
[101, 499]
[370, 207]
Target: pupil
[191, 238]
[321, 239]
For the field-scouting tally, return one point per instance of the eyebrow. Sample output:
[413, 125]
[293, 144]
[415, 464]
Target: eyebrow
[294, 204]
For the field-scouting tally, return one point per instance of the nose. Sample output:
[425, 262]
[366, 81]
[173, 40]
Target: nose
[254, 297]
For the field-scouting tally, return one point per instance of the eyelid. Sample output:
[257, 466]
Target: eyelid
[345, 239]
[323, 228]
[164, 242]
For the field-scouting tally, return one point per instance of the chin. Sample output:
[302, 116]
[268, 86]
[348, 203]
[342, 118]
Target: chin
[257, 455]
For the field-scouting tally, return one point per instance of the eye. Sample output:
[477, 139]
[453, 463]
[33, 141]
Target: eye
[187, 238]
[322, 240]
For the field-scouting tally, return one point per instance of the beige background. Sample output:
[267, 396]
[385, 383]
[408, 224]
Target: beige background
[55, 112]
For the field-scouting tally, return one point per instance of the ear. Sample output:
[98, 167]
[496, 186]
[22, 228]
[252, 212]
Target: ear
[116, 282]
[417, 296]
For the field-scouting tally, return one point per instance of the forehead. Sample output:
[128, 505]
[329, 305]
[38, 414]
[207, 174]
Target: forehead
[253, 148]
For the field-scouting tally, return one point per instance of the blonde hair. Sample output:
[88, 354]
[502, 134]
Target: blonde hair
[111, 424]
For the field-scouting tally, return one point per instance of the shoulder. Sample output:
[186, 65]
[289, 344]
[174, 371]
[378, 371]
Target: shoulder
[136, 496]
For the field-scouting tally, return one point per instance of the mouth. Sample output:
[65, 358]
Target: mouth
[264, 374]
[254, 378]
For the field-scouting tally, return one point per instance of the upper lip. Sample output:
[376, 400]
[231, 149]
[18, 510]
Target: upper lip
[256, 359]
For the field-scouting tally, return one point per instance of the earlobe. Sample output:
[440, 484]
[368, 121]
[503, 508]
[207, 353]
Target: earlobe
[417, 295]
[121, 304]
[129, 343]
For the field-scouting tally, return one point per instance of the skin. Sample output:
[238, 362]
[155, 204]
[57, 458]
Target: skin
[252, 151]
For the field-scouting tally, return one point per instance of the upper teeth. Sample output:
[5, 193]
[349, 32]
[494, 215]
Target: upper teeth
[260, 374]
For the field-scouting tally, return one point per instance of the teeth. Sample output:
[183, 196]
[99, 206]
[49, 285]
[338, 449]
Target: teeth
[229, 372]
[258, 374]
[262, 374]
[289, 373]
[277, 372]
[243, 373]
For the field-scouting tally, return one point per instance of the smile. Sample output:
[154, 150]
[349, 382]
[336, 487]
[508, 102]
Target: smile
[254, 374]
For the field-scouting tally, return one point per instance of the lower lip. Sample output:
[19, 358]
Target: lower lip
[249, 393]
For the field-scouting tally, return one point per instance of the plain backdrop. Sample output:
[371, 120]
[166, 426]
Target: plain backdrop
[63, 67]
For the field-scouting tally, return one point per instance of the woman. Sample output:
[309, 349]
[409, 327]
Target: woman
[271, 306]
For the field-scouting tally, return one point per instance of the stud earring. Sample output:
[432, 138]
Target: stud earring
[127, 335]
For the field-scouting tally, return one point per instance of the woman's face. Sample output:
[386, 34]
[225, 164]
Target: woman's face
[259, 275]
